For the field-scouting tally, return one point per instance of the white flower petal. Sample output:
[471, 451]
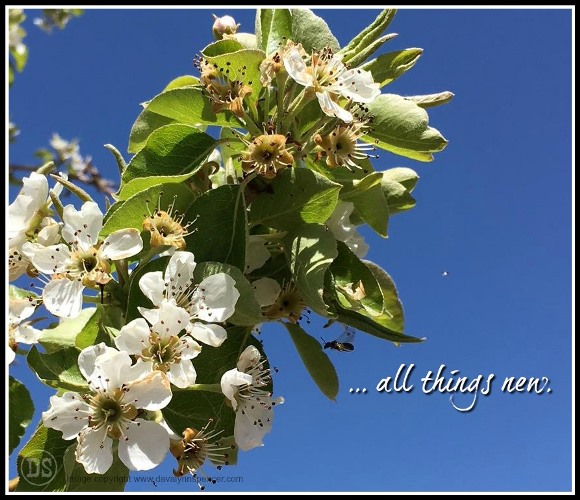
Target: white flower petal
[145, 446]
[151, 393]
[88, 356]
[357, 85]
[256, 253]
[171, 320]
[213, 335]
[10, 356]
[20, 309]
[17, 264]
[180, 270]
[151, 315]
[296, 67]
[82, 226]
[266, 291]
[48, 260]
[153, 286]
[95, 450]
[230, 382]
[67, 413]
[249, 358]
[20, 213]
[254, 422]
[26, 334]
[331, 108]
[182, 374]
[122, 244]
[49, 235]
[64, 298]
[189, 348]
[115, 369]
[134, 337]
[216, 298]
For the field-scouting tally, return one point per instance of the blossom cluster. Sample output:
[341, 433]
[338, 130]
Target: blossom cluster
[159, 299]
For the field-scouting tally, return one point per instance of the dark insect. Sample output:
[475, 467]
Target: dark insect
[344, 343]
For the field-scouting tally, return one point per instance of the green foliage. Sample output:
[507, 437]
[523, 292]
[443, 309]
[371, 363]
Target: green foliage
[20, 412]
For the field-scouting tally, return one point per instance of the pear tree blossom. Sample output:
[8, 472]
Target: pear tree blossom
[330, 79]
[29, 220]
[161, 344]
[20, 331]
[83, 261]
[110, 412]
[211, 301]
[246, 388]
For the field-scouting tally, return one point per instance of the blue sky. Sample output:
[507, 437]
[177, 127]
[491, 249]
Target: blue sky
[493, 209]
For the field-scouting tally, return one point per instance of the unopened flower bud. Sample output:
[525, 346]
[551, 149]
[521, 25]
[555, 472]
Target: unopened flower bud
[224, 25]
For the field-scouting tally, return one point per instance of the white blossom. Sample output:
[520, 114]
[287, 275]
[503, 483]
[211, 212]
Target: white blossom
[110, 412]
[257, 253]
[19, 331]
[211, 301]
[330, 79]
[83, 262]
[244, 386]
[161, 344]
[26, 214]
[343, 230]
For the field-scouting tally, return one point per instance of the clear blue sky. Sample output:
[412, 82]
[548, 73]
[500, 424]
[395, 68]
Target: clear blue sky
[493, 209]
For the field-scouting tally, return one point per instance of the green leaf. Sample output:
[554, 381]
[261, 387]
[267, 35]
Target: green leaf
[220, 227]
[147, 121]
[40, 462]
[369, 34]
[432, 100]
[311, 249]
[393, 316]
[388, 67]
[65, 334]
[58, 369]
[315, 360]
[354, 315]
[139, 184]
[398, 197]
[78, 480]
[369, 202]
[294, 197]
[403, 175]
[397, 184]
[171, 150]
[401, 127]
[133, 211]
[189, 106]
[221, 47]
[20, 412]
[358, 57]
[143, 127]
[182, 81]
[312, 31]
[242, 65]
[273, 28]
[347, 270]
[91, 334]
[194, 408]
[248, 312]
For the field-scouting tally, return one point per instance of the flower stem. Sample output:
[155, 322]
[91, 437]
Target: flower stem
[217, 388]
[250, 124]
[122, 271]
